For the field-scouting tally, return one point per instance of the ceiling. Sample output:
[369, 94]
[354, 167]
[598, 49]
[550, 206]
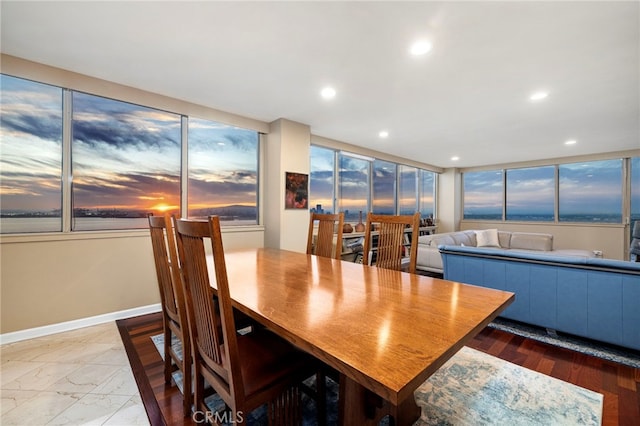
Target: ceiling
[468, 97]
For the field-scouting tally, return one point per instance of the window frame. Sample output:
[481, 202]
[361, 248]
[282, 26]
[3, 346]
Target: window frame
[371, 160]
[118, 93]
[625, 190]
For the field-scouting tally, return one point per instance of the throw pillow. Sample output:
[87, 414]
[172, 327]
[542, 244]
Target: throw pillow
[487, 238]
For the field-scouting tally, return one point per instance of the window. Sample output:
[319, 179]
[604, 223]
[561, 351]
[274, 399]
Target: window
[384, 187]
[408, 194]
[531, 194]
[223, 173]
[321, 180]
[635, 190]
[591, 192]
[126, 163]
[368, 184]
[354, 186]
[31, 161]
[427, 203]
[483, 195]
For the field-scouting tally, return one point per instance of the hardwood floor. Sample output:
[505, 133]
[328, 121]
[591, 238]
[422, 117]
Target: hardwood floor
[619, 384]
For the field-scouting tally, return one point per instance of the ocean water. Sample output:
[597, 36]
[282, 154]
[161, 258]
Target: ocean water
[578, 218]
[14, 225]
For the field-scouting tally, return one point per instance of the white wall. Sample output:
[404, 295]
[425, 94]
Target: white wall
[50, 279]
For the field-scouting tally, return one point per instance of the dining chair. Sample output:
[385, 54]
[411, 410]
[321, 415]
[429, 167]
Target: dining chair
[245, 370]
[328, 226]
[391, 241]
[174, 312]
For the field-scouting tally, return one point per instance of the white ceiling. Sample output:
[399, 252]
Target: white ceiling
[468, 97]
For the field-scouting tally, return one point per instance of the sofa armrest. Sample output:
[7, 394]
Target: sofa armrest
[429, 258]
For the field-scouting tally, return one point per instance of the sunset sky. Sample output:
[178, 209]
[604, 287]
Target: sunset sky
[124, 156]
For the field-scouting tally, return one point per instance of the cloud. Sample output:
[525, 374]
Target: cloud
[37, 124]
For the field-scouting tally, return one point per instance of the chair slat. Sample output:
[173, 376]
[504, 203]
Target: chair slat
[328, 226]
[391, 240]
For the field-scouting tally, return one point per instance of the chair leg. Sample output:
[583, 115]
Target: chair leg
[198, 395]
[187, 380]
[321, 396]
[167, 352]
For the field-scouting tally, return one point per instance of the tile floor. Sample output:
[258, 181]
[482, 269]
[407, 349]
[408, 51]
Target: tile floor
[71, 378]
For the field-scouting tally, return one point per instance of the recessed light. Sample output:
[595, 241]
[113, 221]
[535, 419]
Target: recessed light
[420, 47]
[383, 134]
[538, 96]
[571, 142]
[328, 93]
[455, 158]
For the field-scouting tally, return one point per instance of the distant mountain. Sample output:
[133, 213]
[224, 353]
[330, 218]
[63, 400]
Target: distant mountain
[227, 212]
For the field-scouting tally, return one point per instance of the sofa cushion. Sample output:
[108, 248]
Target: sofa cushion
[504, 238]
[442, 239]
[531, 241]
[487, 238]
[464, 238]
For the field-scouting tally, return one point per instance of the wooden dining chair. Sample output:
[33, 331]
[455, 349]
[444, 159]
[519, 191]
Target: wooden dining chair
[389, 245]
[174, 312]
[328, 226]
[246, 371]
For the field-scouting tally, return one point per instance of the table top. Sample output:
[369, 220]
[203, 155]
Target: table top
[387, 330]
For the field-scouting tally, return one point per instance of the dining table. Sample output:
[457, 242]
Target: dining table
[383, 331]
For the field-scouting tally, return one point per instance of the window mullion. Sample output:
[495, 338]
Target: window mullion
[184, 166]
[67, 171]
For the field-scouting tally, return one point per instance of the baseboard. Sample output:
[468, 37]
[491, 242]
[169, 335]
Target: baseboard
[46, 330]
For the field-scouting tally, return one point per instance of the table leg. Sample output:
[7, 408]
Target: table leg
[359, 406]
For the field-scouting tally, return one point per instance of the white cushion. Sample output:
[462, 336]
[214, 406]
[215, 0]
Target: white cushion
[487, 238]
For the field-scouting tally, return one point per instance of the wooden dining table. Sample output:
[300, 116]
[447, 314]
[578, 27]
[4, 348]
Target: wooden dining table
[384, 331]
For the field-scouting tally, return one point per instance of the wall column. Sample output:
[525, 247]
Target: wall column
[449, 200]
[287, 150]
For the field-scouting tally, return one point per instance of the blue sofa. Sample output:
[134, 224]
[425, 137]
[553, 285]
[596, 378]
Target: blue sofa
[589, 297]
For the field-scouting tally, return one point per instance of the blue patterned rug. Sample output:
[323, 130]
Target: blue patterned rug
[472, 388]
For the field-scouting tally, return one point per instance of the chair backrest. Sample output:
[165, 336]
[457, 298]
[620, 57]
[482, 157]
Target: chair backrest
[391, 242]
[168, 272]
[328, 226]
[213, 336]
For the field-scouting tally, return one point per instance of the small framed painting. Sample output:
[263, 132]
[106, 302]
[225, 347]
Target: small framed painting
[296, 190]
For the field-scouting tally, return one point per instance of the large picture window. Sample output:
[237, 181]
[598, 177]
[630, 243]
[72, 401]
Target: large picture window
[126, 163]
[384, 187]
[635, 190]
[321, 180]
[408, 197]
[369, 184]
[31, 160]
[591, 192]
[531, 194]
[223, 173]
[427, 192]
[354, 187]
[483, 194]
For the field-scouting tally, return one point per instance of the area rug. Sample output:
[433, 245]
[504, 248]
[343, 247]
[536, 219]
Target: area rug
[474, 388]
[567, 341]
